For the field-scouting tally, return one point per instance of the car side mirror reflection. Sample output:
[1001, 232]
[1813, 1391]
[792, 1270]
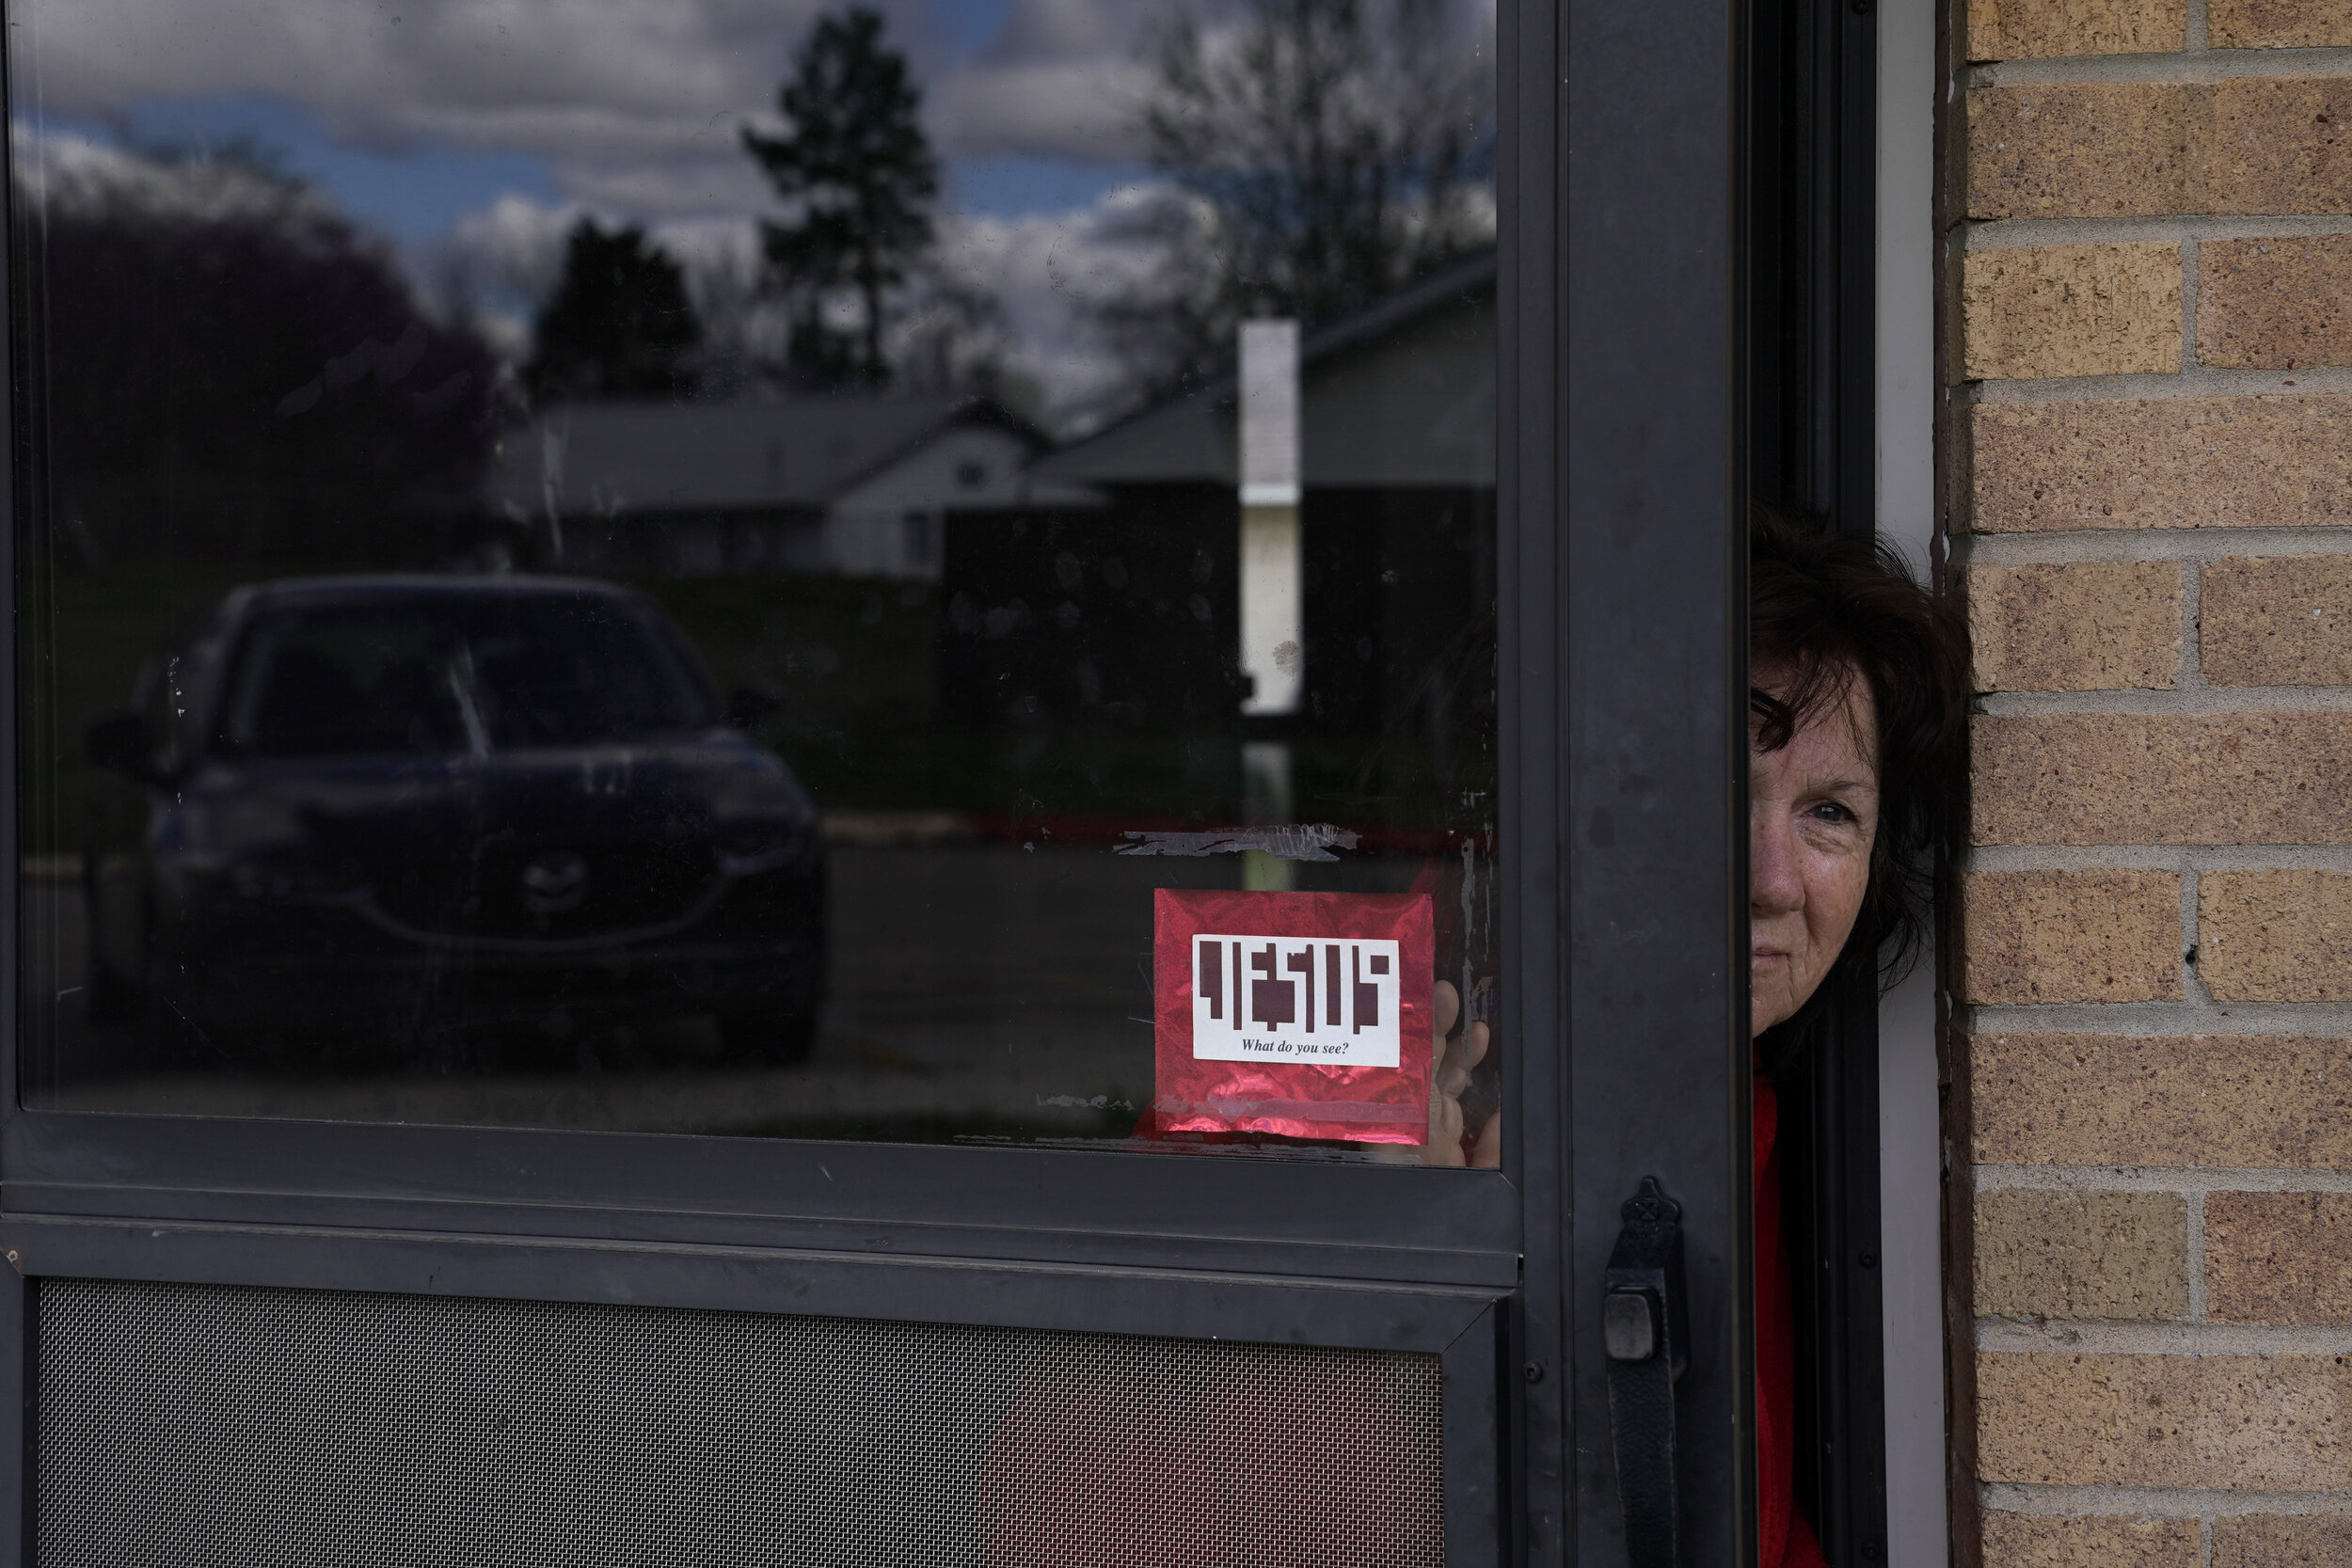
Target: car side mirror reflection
[751, 703]
[122, 743]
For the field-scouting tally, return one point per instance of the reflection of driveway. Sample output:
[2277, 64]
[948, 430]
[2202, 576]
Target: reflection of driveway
[975, 989]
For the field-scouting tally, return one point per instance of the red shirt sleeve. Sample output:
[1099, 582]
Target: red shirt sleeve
[1785, 1538]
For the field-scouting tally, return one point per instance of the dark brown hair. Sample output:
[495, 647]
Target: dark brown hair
[1823, 610]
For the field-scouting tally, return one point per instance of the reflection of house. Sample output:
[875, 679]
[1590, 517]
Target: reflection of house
[1400, 396]
[1129, 608]
[856, 485]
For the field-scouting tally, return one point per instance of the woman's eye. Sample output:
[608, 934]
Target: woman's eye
[1829, 811]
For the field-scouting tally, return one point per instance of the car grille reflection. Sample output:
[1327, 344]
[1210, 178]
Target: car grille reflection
[551, 892]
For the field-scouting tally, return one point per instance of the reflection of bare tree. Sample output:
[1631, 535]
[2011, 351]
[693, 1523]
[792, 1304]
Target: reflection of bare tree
[1324, 153]
[954, 338]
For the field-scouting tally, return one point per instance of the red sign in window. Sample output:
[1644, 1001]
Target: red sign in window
[1300, 1014]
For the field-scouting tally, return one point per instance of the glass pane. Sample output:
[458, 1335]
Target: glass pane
[918, 574]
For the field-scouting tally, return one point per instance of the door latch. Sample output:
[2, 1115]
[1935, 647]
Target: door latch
[1644, 1328]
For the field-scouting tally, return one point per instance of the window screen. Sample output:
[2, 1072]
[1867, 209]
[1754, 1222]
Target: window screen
[185, 1425]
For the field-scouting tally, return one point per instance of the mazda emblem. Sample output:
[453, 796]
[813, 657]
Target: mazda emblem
[555, 883]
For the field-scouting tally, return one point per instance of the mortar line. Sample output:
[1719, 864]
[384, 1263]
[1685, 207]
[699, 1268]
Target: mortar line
[2179, 1180]
[2190, 676]
[1985, 235]
[2162, 1502]
[2199, 381]
[2196, 39]
[2164, 1019]
[2066, 546]
[2025, 1335]
[2173, 68]
[2188, 302]
[2209, 699]
[2192, 984]
[2205, 1542]
[2000, 859]
[2195, 1204]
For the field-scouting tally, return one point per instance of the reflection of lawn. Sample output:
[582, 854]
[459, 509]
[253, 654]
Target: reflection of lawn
[843, 652]
[1133, 775]
[856, 662]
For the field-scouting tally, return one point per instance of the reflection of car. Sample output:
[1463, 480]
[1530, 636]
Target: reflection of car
[382, 807]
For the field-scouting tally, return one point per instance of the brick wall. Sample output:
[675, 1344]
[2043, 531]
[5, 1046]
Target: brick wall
[2149, 334]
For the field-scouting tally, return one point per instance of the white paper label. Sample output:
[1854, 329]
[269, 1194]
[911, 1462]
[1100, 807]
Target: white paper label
[1329, 1001]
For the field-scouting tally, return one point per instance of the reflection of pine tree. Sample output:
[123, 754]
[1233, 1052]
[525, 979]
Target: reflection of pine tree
[856, 171]
[619, 324]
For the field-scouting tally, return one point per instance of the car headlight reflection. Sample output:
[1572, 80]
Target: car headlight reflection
[751, 846]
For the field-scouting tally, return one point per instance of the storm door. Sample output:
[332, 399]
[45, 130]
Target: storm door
[937, 781]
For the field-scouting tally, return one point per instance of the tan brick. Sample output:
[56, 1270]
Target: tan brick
[2249, 1101]
[2072, 936]
[2273, 144]
[2083, 149]
[2097, 626]
[2082, 1255]
[2276, 621]
[2275, 936]
[2039, 29]
[2275, 304]
[2270, 1422]
[2070, 1540]
[2278, 1257]
[2260, 461]
[2278, 23]
[2246, 144]
[2077, 309]
[2173, 777]
[2281, 1541]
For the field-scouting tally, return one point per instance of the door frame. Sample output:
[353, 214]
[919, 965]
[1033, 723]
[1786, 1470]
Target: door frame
[1621, 460]
[1812, 416]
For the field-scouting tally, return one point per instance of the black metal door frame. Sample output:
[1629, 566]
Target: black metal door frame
[1813, 428]
[1621, 468]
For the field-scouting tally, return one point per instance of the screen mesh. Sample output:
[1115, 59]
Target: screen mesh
[187, 1425]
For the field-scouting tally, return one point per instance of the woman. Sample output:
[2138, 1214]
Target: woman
[1856, 723]
[1857, 727]
[1856, 730]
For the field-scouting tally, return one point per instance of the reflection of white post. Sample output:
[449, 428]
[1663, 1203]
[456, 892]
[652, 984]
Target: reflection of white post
[1273, 635]
[1265, 798]
[1273, 630]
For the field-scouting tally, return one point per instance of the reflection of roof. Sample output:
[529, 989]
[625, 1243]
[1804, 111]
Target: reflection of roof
[1400, 393]
[416, 585]
[796, 452]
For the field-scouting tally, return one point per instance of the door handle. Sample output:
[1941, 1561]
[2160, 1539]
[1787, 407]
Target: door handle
[1644, 1328]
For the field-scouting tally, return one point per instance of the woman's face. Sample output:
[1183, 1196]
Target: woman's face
[1813, 809]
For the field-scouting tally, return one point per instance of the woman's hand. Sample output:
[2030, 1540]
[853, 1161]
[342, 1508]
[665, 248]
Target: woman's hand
[1450, 1071]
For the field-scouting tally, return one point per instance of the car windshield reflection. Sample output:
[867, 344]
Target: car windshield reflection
[393, 672]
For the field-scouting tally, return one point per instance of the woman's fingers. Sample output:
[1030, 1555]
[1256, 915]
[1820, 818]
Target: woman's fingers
[1452, 1061]
[1446, 1002]
[1472, 1046]
[1445, 1130]
[1458, 1058]
[1487, 1154]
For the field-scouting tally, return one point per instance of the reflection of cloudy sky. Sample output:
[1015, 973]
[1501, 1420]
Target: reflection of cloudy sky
[623, 104]
[480, 127]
